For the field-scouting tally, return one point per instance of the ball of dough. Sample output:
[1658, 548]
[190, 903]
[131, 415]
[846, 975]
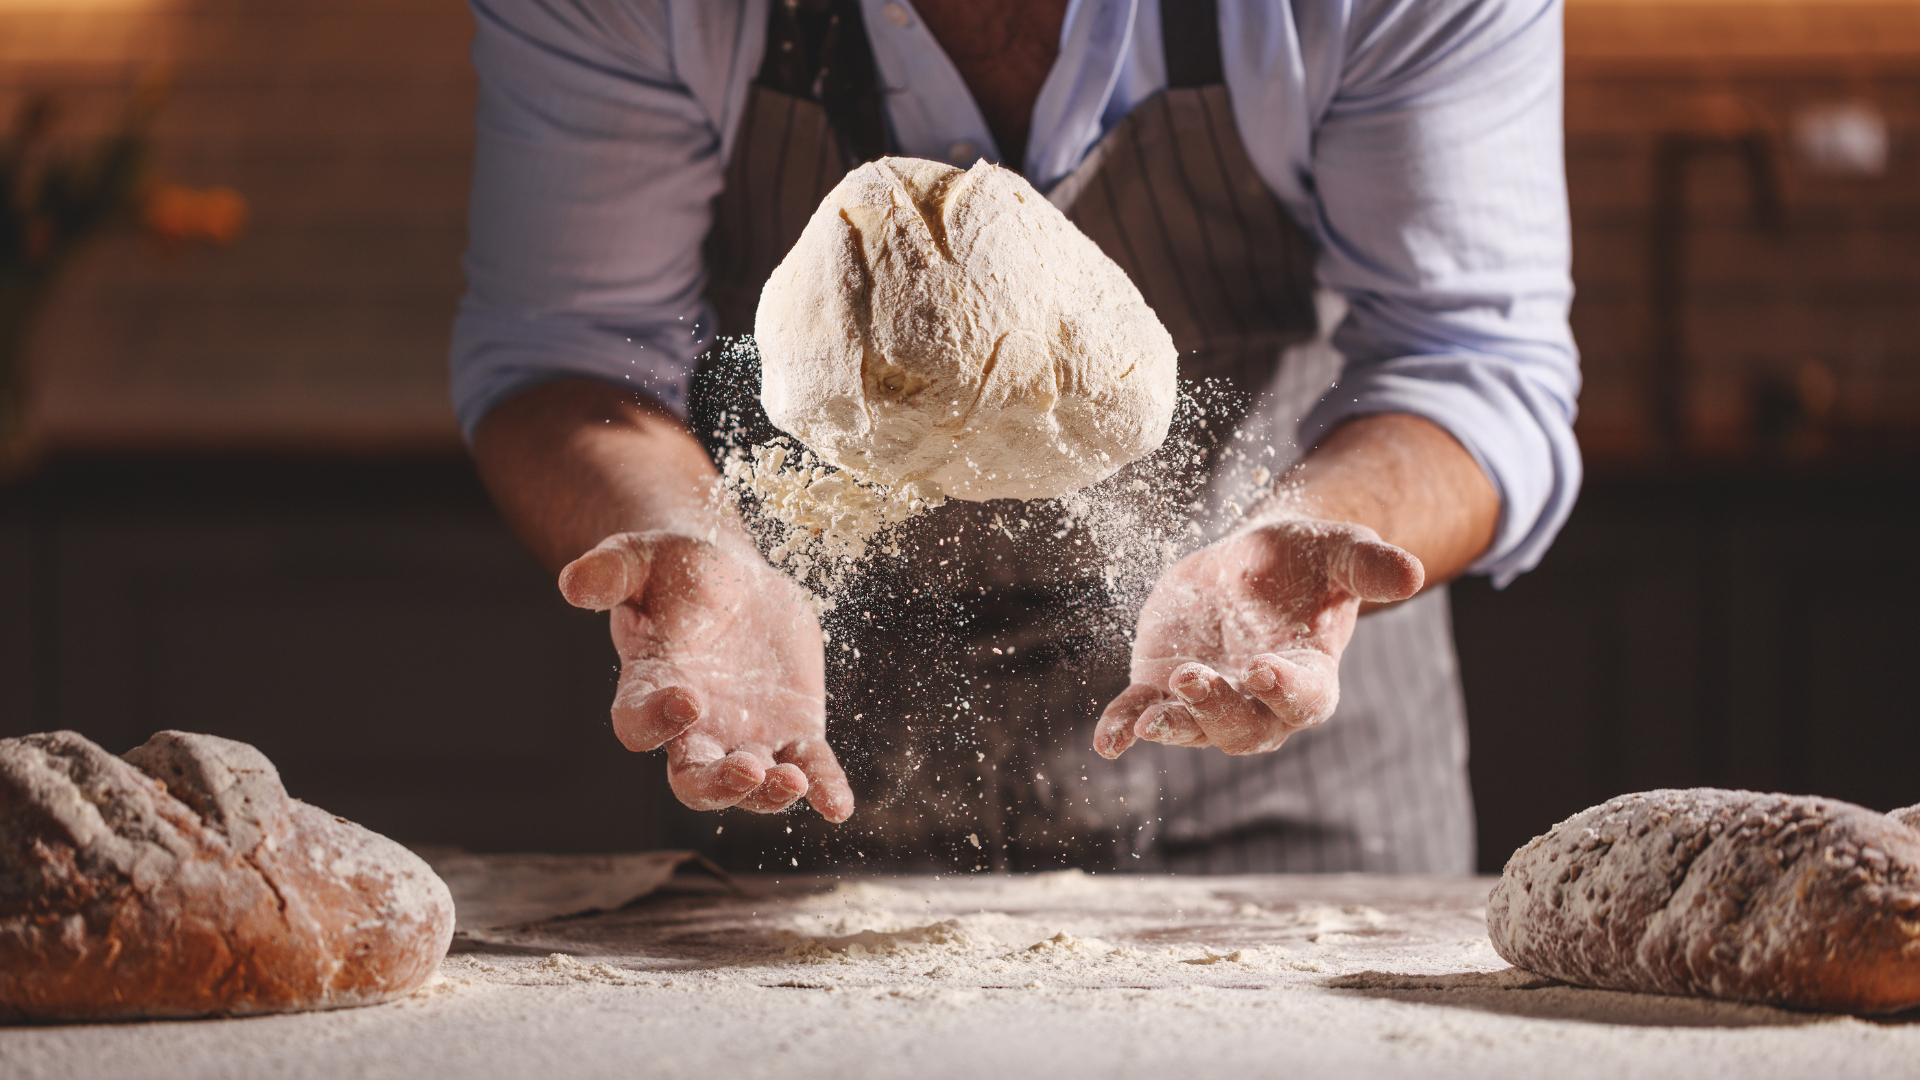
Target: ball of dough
[952, 329]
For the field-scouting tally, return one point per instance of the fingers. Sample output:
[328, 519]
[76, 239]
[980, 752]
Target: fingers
[1375, 571]
[827, 789]
[1300, 686]
[705, 777]
[782, 788]
[652, 706]
[1280, 694]
[1231, 720]
[607, 576]
[1170, 724]
[1115, 731]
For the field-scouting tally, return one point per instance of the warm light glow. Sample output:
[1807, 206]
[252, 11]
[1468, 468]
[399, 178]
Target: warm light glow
[10, 7]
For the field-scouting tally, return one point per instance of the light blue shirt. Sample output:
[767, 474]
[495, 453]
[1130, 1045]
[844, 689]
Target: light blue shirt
[1419, 141]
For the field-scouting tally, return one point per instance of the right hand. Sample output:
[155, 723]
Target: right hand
[721, 662]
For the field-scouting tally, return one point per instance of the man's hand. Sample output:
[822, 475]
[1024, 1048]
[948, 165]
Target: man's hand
[721, 663]
[1239, 644]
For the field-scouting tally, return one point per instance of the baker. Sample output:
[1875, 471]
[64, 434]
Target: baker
[1352, 215]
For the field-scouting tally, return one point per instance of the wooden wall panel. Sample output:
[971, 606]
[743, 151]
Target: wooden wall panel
[1820, 32]
[1821, 292]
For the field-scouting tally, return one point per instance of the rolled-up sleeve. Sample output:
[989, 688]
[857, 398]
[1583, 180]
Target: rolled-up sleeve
[1439, 183]
[594, 169]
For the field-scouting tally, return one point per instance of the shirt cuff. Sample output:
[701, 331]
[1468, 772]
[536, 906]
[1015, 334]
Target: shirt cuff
[1520, 434]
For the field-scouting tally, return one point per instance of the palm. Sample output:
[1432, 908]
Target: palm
[737, 634]
[721, 663]
[1238, 645]
[1209, 608]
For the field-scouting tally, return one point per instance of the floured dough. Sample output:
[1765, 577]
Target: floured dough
[952, 329]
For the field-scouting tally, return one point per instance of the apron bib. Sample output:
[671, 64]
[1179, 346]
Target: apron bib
[984, 656]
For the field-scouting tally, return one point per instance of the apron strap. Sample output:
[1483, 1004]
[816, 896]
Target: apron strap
[1190, 36]
[817, 51]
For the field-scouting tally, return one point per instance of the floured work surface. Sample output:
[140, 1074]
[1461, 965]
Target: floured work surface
[1061, 974]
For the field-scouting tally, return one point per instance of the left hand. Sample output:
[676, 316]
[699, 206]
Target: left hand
[1239, 643]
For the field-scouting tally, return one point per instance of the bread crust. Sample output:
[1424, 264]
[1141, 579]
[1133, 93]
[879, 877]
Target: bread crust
[1906, 815]
[1781, 899]
[183, 881]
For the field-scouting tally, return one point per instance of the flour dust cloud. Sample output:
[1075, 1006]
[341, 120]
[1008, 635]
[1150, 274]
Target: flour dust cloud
[972, 645]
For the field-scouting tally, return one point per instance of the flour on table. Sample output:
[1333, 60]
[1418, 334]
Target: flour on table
[709, 985]
[567, 969]
[1209, 958]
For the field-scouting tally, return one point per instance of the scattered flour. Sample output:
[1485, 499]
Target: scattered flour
[569, 969]
[947, 935]
[1065, 943]
[826, 529]
[814, 521]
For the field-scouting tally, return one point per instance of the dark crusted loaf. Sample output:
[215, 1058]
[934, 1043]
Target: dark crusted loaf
[1782, 899]
[182, 881]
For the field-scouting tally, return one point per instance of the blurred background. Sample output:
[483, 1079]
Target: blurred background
[232, 498]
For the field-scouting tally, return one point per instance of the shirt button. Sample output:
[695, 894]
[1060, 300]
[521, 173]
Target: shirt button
[963, 152]
[897, 14]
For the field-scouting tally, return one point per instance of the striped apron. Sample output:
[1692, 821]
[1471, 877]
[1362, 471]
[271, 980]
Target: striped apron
[966, 720]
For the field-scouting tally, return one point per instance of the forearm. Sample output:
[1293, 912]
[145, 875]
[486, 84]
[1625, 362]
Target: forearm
[1405, 478]
[573, 461]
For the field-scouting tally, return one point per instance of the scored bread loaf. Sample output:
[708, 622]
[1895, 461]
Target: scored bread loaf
[182, 880]
[1906, 815]
[1781, 899]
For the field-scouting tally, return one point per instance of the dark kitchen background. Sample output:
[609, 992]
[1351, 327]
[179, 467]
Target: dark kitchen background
[235, 502]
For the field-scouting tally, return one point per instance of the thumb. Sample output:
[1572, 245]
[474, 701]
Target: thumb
[1374, 571]
[609, 575]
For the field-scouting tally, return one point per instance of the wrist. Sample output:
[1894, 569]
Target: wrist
[1293, 500]
[572, 462]
[1401, 477]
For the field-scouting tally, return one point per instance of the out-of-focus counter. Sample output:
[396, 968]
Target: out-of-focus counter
[1060, 975]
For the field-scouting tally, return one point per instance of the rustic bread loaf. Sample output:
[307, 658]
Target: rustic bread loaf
[183, 881]
[1782, 899]
[1906, 815]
